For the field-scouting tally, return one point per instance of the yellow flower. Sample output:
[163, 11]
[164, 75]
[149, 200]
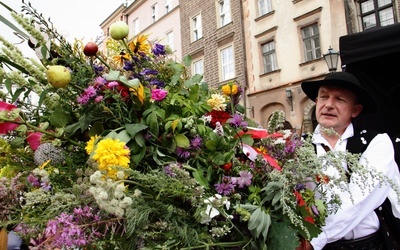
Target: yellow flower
[44, 164]
[121, 58]
[90, 144]
[217, 102]
[139, 92]
[111, 155]
[140, 44]
[262, 149]
[230, 89]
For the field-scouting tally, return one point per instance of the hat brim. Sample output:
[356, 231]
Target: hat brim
[368, 101]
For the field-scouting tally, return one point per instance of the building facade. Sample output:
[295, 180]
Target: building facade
[285, 44]
[213, 35]
[268, 46]
[157, 19]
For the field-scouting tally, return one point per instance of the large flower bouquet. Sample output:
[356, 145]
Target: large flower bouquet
[125, 150]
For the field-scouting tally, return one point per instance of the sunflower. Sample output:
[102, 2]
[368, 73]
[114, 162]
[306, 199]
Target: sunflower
[121, 58]
[140, 44]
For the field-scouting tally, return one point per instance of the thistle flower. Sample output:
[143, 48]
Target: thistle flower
[47, 151]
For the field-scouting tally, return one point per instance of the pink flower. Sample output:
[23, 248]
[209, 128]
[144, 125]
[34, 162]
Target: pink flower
[243, 180]
[33, 139]
[6, 127]
[112, 84]
[158, 94]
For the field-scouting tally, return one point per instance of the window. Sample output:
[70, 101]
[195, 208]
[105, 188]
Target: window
[264, 7]
[269, 57]
[196, 28]
[198, 67]
[225, 12]
[170, 40]
[167, 6]
[135, 27]
[154, 13]
[376, 13]
[312, 48]
[227, 63]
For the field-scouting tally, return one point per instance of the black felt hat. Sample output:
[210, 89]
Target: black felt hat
[343, 80]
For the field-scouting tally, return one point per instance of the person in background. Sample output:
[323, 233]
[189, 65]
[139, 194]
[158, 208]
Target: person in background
[340, 98]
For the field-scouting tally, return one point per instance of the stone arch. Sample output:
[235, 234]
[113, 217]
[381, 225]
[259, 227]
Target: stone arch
[308, 121]
[267, 110]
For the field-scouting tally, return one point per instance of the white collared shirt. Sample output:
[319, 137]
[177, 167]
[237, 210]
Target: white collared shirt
[357, 219]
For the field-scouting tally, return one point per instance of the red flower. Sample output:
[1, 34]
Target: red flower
[33, 139]
[123, 91]
[302, 203]
[218, 116]
[299, 199]
[6, 127]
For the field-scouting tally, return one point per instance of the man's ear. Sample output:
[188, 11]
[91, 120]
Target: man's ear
[356, 110]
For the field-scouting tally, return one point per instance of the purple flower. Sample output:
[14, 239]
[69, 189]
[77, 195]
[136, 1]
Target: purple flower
[158, 94]
[300, 186]
[237, 121]
[98, 68]
[100, 80]
[196, 142]
[128, 65]
[34, 181]
[182, 153]
[149, 72]
[158, 49]
[224, 188]
[169, 169]
[243, 180]
[157, 83]
[45, 186]
[86, 95]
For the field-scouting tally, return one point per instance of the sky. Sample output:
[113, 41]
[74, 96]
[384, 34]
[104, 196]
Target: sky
[79, 19]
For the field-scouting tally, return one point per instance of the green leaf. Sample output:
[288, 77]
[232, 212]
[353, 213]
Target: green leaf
[153, 123]
[182, 141]
[139, 139]
[247, 139]
[198, 176]
[135, 128]
[84, 122]
[17, 93]
[113, 75]
[123, 136]
[187, 60]
[211, 145]
[259, 222]
[248, 207]
[72, 128]
[282, 236]
[59, 118]
[11, 25]
[96, 129]
[138, 157]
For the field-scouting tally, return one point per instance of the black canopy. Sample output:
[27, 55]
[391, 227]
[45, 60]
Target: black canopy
[373, 56]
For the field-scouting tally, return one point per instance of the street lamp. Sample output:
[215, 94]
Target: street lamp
[289, 98]
[331, 59]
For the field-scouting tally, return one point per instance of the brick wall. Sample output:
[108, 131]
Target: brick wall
[213, 37]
